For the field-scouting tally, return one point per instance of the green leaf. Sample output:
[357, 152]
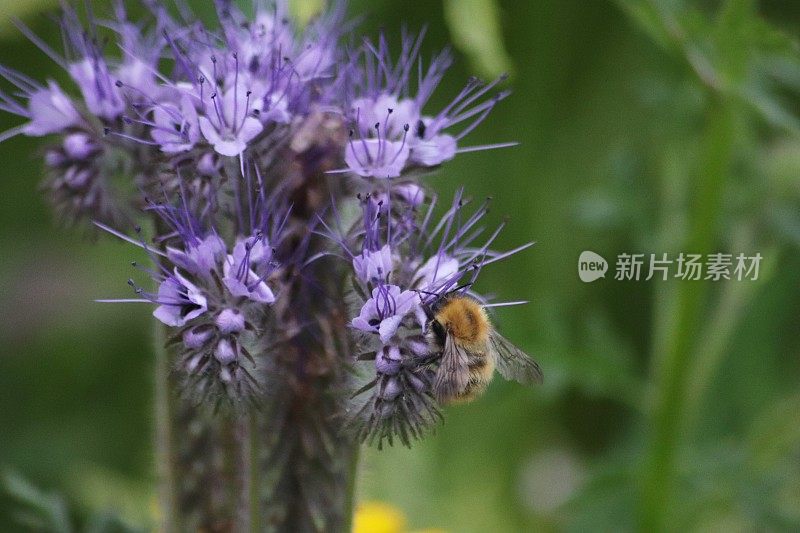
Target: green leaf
[36, 509]
[20, 9]
[305, 10]
[648, 19]
[476, 31]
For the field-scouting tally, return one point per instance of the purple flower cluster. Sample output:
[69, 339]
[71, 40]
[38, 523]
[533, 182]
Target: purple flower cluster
[257, 133]
[390, 133]
[216, 295]
[403, 260]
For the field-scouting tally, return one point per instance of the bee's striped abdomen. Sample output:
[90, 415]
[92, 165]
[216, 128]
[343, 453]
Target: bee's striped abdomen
[481, 369]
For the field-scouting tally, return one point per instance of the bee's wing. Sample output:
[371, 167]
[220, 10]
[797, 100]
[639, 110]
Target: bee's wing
[453, 373]
[513, 363]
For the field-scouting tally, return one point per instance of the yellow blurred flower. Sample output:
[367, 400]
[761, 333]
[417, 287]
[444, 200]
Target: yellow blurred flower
[379, 517]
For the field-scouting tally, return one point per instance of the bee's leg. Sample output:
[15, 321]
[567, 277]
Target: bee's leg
[428, 311]
[426, 360]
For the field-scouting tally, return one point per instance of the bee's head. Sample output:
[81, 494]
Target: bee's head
[432, 302]
[436, 329]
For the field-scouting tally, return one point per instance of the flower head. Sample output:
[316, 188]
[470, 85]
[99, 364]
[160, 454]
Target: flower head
[390, 130]
[403, 262]
[230, 136]
[215, 293]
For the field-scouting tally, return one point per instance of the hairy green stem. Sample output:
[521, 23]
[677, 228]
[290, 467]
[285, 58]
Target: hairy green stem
[672, 362]
[283, 468]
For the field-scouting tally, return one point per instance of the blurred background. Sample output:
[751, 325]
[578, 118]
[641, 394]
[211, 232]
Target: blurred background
[645, 127]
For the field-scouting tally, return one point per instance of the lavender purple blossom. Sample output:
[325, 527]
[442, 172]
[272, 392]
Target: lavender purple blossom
[241, 147]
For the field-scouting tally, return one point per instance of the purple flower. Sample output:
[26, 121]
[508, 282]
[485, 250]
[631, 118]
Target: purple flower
[244, 282]
[252, 251]
[433, 151]
[384, 108]
[238, 274]
[51, 111]
[371, 266]
[431, 146]
[377, 158]
[410, 193]
[228, 125]
[176, 129]
[101, 95]
[383, 313]
[435, 270]
[179, 301]
[391, 114]
[200, 258]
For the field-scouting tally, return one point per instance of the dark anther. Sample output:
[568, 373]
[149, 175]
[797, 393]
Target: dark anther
[118, 83]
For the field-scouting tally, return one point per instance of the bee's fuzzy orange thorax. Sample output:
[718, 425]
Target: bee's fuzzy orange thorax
[466, 320]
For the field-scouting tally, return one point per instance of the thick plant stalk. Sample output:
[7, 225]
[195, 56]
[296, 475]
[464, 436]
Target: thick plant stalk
[286, 467]
[204, 461]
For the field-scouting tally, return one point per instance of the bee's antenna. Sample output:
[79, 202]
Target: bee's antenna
[460, 287]
[429, 293]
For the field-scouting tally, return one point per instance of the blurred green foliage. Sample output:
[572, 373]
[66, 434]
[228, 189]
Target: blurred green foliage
[645, 126]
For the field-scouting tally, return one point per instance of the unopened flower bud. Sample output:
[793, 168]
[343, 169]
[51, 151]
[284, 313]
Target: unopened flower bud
[196, 337]
[391, 389]
[230, 321]
[79, 146]
[225, 353]
[388, 360]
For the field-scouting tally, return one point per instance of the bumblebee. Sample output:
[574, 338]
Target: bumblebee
[461, 336]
